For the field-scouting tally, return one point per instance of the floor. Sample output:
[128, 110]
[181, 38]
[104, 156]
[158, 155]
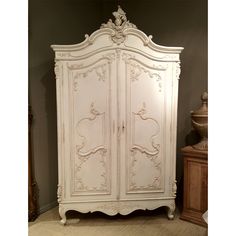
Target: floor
[138, 223]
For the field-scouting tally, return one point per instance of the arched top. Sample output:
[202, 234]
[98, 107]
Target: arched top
[117, 34]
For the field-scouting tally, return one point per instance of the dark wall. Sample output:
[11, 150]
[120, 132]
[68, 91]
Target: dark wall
[171, 22]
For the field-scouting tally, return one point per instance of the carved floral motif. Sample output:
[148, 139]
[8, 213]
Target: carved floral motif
[121, 23]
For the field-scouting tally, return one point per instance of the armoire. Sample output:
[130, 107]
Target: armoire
[117, 95]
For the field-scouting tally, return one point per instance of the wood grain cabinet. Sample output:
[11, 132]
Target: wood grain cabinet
[117, 95]
[195, 185]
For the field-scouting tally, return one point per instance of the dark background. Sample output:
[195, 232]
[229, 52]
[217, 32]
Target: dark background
[171, 22]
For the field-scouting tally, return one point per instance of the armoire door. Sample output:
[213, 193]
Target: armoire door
[145, 124]
[90, 160]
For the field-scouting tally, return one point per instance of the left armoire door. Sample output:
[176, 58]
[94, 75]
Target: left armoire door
[89, 93]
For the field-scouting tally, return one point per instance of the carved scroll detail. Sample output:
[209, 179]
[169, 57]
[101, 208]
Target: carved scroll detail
[121, 23]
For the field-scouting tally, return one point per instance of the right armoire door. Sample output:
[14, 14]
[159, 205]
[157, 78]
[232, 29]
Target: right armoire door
[144, 107]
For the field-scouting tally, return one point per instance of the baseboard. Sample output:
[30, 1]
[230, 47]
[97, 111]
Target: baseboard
[48, 207]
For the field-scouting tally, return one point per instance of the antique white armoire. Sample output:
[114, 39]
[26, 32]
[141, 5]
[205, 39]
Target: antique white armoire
[117, 95]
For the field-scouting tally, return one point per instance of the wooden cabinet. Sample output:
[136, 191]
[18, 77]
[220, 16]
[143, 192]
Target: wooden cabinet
[117, 107]
[195, 185]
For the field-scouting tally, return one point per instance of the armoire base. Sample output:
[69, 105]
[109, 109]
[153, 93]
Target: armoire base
[114, 207]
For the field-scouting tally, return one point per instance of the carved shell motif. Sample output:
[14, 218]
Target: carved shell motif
[121, 23]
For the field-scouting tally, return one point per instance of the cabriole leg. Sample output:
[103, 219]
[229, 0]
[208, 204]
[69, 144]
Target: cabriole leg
[62, 213]
[171, 211]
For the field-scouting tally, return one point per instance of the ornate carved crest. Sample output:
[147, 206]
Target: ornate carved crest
[121, 23]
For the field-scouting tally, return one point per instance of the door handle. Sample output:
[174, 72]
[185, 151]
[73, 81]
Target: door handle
[123, 126]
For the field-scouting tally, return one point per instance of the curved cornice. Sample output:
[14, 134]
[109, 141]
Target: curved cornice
[147, 41]
[117, 32]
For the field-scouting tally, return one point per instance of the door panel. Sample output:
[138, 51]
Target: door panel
[92, 118]
[143, 112]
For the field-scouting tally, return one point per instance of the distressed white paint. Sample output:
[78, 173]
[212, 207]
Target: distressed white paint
[117, 97]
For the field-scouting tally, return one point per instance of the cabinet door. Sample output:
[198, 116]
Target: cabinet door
[145, 123]
[195, 188]
[90, 165]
